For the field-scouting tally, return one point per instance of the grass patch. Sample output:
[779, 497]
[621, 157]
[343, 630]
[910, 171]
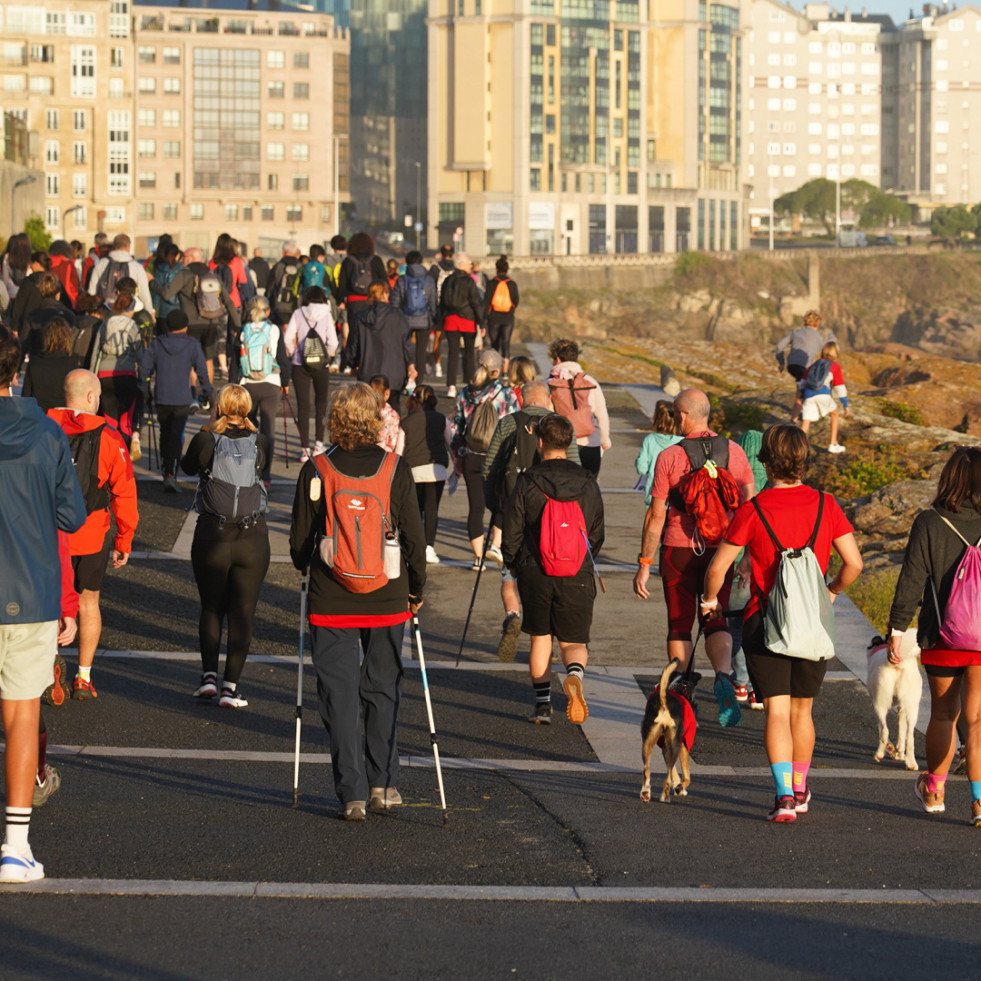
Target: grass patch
[732, 419]
[693, 265]
[872, 593]
[867, 472]
[902, 411]
[710, 378]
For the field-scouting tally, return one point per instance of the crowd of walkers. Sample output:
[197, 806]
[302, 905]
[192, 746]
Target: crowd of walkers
[103, 342]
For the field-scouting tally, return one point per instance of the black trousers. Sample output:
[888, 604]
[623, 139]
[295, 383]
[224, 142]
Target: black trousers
[453, 338]
[172, 419]
[305, 379]
[265, 404]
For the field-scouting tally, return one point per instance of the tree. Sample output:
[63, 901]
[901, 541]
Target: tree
[952, 222]
[814, 200]
[881, 208]
[37, 233]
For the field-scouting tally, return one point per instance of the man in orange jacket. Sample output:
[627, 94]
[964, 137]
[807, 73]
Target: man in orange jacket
[106, 474]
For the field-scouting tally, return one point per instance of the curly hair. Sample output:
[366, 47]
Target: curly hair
[354, 416]
[812, 319]
[563, 349]
[361, 243]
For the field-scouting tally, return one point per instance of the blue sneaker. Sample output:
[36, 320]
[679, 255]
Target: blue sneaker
[730, 713]
[17, 867]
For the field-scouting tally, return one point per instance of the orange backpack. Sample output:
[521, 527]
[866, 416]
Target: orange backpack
[501, 300]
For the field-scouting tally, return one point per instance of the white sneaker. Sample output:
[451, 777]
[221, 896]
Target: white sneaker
[318, 447]
[232, 698]
[16, 866]
[836, 448]
[305, 455]
[451, 392]
[431, 557]
[494, 554]
[135, 450]
[439, 370]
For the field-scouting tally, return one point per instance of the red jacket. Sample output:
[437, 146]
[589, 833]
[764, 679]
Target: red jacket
[116, 469]
[65, 270]
[69, 598]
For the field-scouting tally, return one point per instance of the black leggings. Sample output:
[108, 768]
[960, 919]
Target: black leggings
[229, 574]
[428, 495]
[265, 401]
[591, 457]
[303, 379]
[453, 347]
[422, 343]
[121, 402]
[499, 337]
[472, 465]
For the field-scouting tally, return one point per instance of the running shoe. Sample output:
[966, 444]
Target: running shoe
[354, 811]
[477, 566]
[784, 810]
[742, 693]
[576, 709]
[81, 690]
[382, 798]
[171, 485]
[451, 392]
[959, 765]
[318, 447]
[18, 866]
[730, 713]
[431, 557]
[304, 455]
[232, 698]
[802, 800]
[755, 703]
[45, 788]
[208, 687]
[507, 647]
[976, 813]
[836, 448]
[933, 803]
[542, 714]
[438, 371]
[494, 554]
[135, 450]
[58, 692]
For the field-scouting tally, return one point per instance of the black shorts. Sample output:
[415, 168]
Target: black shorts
[796, 371]
[208, 338]
[944, 670]
[558, 605]
[776, 674]
[90, 570]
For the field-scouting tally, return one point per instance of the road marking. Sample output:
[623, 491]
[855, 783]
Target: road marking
[550, 894]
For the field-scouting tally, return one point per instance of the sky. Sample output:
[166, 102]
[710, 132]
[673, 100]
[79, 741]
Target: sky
[897, 9]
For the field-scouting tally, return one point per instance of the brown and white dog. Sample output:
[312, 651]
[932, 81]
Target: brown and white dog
[669, 720]
[900, 684]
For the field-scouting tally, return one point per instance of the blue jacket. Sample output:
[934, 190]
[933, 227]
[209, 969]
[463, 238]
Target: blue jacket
[41, 496]
[172, 356]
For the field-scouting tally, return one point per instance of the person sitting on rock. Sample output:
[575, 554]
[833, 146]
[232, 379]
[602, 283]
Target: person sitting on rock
[818, 389]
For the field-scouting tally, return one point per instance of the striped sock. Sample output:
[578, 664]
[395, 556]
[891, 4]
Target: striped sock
[782, 778]
[935, 783]
[575, 668]
[543, 692]
[18, 824]
[975, 790]
[800, 776]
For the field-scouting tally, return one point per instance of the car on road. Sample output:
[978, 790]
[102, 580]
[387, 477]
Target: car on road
[883, 240]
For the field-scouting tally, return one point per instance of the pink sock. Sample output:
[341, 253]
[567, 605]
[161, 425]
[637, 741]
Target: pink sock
[800, 776]
[935, 782]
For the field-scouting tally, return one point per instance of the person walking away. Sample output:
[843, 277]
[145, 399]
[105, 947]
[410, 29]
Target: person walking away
[473, 429]
[60, 253]
[260, 271]
[439, 272]
[314, 272]
[579, 398]
[502, 300]
[938, 576]
[283, 288]
[44, 379]
[521, 370]
[359, 269]
[392, 272]
[41, 496]
[49, 307]
[415, 295]
[379, 344]
[106, 473]
[796, 515]
[356, 692]
[391, 438]
[167, 265]
[230, 549]
[462, 315]
[797, 350]
[311, 343]
[427, 434]
[513, 449]
[262, 364]
[332, 261]
[822, 384]
[665, 434]
[556, 508]
[118, 264]
[171, 358]
[237, 286]
[689, 543]
[16, 264]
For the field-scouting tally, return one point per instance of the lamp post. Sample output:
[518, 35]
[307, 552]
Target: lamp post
[337, 180]
[64, 219]
[29, 179]
[769, 171]
[418, 205]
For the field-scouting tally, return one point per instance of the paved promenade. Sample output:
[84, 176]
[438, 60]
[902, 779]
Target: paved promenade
[173, 851]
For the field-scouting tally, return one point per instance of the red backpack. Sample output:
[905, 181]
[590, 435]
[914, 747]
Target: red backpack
[359, 544]
[562, 539]
[708, 492]
[567, 401]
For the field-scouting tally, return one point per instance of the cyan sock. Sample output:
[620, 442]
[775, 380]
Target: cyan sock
[975, 790]
[783, 778]
[800, 776]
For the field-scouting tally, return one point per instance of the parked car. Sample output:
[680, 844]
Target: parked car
[884, 240]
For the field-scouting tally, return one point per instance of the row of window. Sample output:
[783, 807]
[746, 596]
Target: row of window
[831, 171]
[148, 211]
[775, 149]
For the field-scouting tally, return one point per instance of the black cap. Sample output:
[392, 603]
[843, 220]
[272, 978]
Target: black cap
[176, 320]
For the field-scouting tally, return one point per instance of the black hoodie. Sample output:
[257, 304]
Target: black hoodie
[379, 344]
[560, 479]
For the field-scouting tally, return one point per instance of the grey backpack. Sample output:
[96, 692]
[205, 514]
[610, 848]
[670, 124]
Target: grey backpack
[232, 487]
[798, 618]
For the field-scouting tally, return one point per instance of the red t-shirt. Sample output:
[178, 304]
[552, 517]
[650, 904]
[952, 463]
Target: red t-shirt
[791, 513]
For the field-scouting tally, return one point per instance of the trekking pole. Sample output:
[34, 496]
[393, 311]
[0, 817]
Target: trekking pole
[304, 583]
[473, 595]
[296, 422]
[286, 437]
[589, 552]
[153, 445]
[429, 713]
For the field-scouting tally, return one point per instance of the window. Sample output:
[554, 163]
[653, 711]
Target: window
[294, 214]
[115, 216]
[197, 212]
[52, 216]
[276, 90]
[172, 56]
[51, 185]
[275, 59]
[146, 55]
[172, 148]
[80, 185]
[301, 182]
[325, 214]
[146, 148]
[119, 152]
[55, 21]
[52, 149]
[144, 211]
[81, 25]
[177, 180]
[268, 212]
[301, 90]
[172, 86]
[172, 117]
[78, 120]
[247, 212]
[41, 84]
[116, 88]
[78, 152]
[272, 182]
[146, 85]
[275, 151]
[301, 151]
[275, 120]
[301, 59]
[13, 83]
[119, 18]
[170, 212]
[83, 71]
[116, 58]
[301, 120]
[51, 119]
[146, 117]
[231, 212]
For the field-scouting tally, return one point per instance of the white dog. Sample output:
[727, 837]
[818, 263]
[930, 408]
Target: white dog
[896, 684]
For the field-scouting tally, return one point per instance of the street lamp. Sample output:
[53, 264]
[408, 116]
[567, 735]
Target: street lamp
[337, 180]
[418, 205]
[29, 179]
[64, 219]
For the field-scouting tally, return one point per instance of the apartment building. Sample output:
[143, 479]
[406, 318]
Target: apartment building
[182, 118]
[585, 127]
[814, 97]
[933, 92]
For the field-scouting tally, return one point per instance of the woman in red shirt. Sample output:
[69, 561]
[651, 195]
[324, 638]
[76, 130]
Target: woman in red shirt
[787, 685]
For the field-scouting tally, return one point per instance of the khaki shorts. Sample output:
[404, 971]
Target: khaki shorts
[27, 653]
[817, 407]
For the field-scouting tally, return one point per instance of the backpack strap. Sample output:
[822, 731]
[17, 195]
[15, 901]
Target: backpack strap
[773, 536]
[955, 531]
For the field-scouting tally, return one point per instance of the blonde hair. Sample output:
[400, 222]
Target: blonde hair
[830, 351]
[378, 292]
[521, 370]
[354, 416]
[812, 319]
[259, 310]
[234, 402]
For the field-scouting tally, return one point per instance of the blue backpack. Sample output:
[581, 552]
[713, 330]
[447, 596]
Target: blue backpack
[415, 297]
[256, 360]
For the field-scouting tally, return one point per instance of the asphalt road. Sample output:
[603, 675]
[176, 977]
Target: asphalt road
[173, 850]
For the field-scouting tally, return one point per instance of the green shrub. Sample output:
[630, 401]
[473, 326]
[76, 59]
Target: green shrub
[690, 265]
[732, 419]
[867, 472]
[902, 411]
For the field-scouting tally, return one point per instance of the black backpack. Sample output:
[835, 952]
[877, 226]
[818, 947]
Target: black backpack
[112, 274]
[363, 277]
[524, 453]
[289, 285]
[85, 457]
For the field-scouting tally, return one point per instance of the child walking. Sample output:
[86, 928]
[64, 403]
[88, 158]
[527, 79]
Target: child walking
[819, 387]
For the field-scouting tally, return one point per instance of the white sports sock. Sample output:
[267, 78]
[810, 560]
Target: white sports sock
[18, 825]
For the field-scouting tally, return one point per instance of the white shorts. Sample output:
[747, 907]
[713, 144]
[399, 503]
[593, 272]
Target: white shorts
[817, 407]
[27, 653]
